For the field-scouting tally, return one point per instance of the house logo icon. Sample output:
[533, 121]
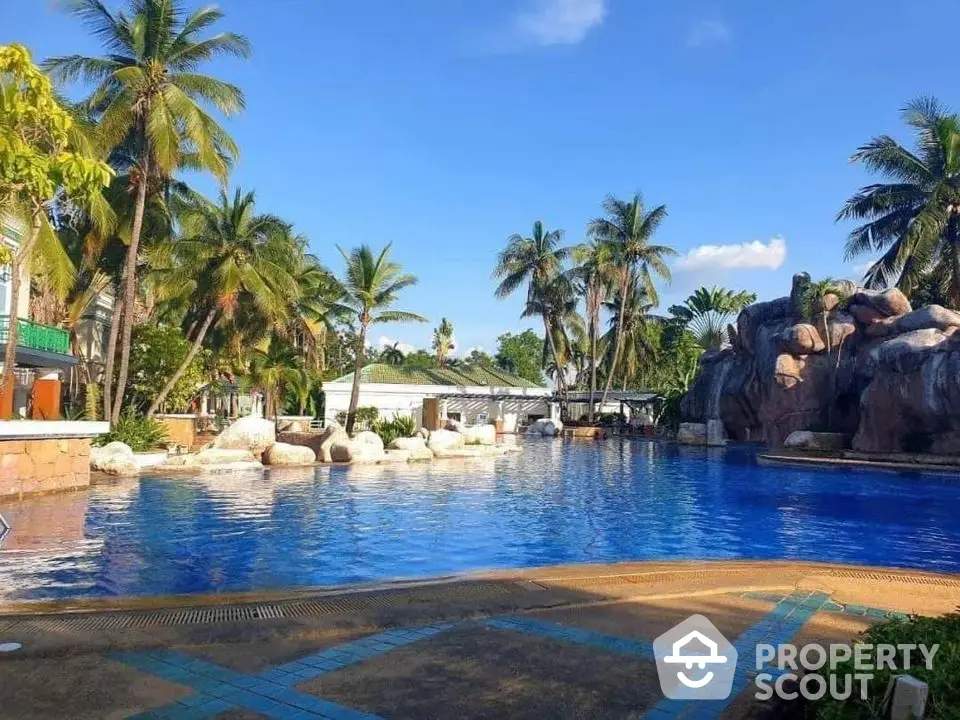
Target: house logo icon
[695, 661]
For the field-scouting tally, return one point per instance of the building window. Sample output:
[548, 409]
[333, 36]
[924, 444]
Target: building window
[454, 416]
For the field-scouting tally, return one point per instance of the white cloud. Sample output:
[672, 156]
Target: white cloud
[755, 255]
[708, 32]
[862, 268]
[403, 347]
[560, 22]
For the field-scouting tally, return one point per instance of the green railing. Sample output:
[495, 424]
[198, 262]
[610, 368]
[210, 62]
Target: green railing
[38, 337]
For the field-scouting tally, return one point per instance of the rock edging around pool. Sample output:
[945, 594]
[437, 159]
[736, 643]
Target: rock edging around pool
[252, 442]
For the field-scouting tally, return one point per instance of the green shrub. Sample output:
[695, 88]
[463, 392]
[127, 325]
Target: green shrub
[364, 419]
[943, 702]
[139, 432]
[389, 430]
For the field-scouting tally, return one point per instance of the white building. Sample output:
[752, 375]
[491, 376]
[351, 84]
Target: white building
[470, 394]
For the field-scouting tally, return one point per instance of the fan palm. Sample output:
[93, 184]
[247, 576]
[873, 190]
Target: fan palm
[538, 261]
[914, 219]
[627, 229]
[443, 341]
[229, 256]
[706, 313]
[371, 284]
[149, 99]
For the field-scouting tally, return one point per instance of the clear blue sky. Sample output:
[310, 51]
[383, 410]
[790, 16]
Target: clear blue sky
[446, 125]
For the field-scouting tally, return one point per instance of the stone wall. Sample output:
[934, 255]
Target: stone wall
[38, 466]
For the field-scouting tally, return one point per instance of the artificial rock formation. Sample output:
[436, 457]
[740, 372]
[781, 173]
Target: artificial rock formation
[881, 374]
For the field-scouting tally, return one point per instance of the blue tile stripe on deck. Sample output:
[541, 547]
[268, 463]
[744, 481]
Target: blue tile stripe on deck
[271, 692]
[779, 625]
[566, 633]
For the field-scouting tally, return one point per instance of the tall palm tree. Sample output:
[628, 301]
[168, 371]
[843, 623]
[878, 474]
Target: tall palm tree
[443, 341]
[706, 313]
[229, 256]
[594, 273]
[538, 261]
[371, 284]
[632, 317]
[149, 99]
[628, 229]
[915, 218]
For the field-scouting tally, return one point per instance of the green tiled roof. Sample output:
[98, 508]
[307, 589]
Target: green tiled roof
[469, 375]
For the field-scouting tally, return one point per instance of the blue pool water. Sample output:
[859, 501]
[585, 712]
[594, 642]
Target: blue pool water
[555, 502]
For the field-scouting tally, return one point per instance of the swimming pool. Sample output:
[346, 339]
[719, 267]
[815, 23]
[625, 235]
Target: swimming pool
[554, 502]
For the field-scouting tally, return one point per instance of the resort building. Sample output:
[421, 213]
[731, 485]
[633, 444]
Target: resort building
[470, 394]
[43, 353]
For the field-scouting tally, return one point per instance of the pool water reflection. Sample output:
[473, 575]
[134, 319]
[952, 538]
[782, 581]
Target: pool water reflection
[555, 502]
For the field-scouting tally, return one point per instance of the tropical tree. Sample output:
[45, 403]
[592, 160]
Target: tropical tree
[149, 99]
[43, 151]
[229, 256]
[443, 341]
[914, 219]
[637, 347]
[627, 229]
[706, 313]
[594, 273]
[538, 261]
[271, 370]
[521, 355]
[392, 355]
[371, 284]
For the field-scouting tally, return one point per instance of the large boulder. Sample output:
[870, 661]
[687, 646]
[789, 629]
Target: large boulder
[912, 401]
[716, 433]
[545, 427]
[368, 437]
[354, 451]
[801, 339]
[424, 454]
[933, 317]
[445, 440]
[410, 443]
[285, 454]
[480, 435]
[816, 441]
[251, 433]
[332, 435]
[887, 303]
[114, 458]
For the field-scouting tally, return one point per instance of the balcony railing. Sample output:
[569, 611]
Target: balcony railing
[37, 337]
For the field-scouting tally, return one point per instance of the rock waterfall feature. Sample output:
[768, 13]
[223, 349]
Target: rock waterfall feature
[884, 376]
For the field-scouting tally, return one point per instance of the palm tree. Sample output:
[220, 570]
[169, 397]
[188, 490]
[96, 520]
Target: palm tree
[914, 219]
[270, 371]
[300, 381]
[628, 228]
[392, 355]
[632, 317]
[443, 341]
[538, 261]
[706, 313]
[594, 273]
[814, 301]
[229, 256]
[149, 100]
[371, 285]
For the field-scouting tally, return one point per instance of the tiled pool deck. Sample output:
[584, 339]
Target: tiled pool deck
[578, 645]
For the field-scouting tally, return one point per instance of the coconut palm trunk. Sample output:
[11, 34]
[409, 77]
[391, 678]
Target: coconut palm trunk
[7, 380]
[130, 291]
[593, 365]
[561, 381]
[618, 343]
[357, 367]
[108, 368]
[191, 354]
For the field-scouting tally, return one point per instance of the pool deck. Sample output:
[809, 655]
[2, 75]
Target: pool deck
[560, 642]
